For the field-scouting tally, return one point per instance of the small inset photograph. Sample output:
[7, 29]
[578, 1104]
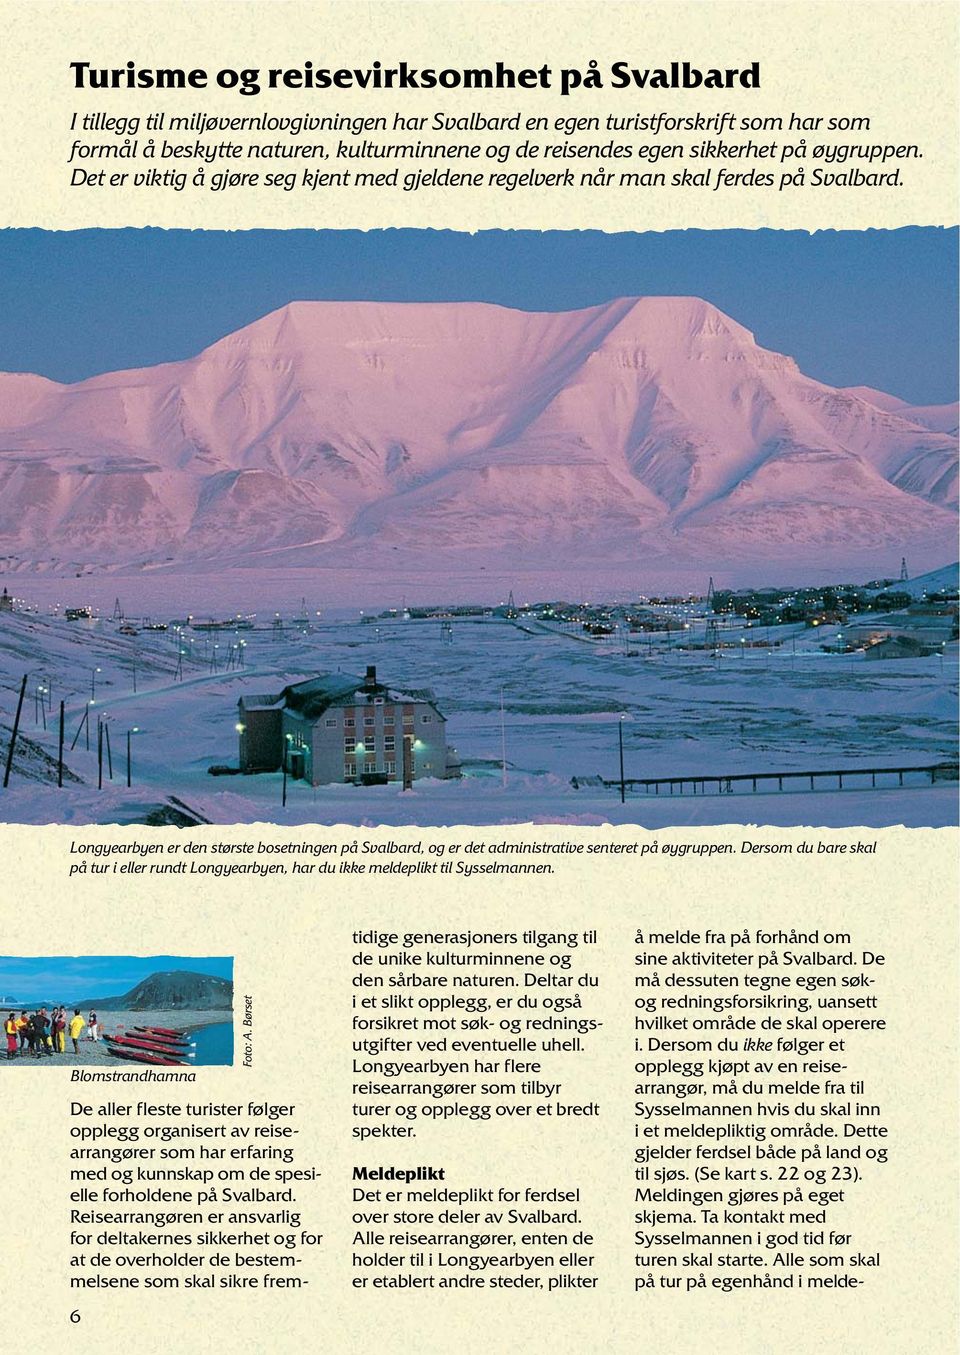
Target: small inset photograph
[67, 1010]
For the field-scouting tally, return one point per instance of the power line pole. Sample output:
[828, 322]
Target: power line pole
[623, 784]
[13, 735]
[80, 727]
[503, 739]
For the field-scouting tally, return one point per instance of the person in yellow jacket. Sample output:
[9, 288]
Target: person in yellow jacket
[10, 1026]
[59, 1027]
[23, 1028]
[77, 1024]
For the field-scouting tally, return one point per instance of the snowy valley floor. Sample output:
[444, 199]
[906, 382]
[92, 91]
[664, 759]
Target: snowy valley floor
[685, 712]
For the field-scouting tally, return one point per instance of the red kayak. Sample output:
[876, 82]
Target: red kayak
[131, 1042]
[141, 1056]
[162, 1030]
[149, 1033]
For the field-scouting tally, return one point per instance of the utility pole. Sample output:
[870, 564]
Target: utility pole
[99, 754]
[13, 736]
[623, 784]
[106, 729]
[60, 755]
[128, 759]
[503, 740]
[79, 728]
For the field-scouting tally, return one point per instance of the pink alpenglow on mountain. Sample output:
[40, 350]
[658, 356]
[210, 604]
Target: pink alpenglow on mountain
[646, 430]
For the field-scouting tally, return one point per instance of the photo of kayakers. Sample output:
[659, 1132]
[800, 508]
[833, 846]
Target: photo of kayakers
[168, 1010]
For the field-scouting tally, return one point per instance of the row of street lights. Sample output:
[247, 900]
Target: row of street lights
[103, 736]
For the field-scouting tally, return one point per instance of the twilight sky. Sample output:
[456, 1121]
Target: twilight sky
[875, 308]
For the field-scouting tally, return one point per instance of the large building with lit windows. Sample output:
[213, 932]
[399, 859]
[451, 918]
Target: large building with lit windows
[336, 727]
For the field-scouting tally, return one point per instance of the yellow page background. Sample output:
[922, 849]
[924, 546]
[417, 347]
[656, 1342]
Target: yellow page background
[893, 61]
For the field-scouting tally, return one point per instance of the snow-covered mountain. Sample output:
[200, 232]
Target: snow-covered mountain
[645, 429]
[938, 418]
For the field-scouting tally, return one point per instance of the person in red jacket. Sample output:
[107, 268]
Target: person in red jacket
[59, 1027]
[10, 1026]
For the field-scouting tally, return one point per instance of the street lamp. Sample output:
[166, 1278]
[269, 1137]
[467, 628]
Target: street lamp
[409, 747]
[93, 683]
[39, 705]
[134, 730]
[286, 750]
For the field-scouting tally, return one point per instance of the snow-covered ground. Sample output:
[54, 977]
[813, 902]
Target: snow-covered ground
[786, 707]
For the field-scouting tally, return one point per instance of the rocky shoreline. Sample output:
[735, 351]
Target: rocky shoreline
[95, 1052]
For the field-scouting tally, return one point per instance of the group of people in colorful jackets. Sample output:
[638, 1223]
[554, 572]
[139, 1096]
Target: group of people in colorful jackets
[42, 1034]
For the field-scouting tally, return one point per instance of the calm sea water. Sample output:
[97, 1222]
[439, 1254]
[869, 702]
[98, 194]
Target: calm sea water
[214, 1044]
